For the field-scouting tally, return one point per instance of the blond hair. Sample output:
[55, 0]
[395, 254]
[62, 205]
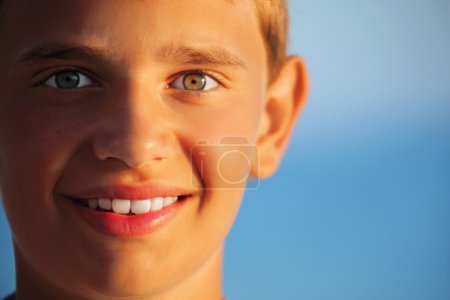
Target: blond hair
[273, 18]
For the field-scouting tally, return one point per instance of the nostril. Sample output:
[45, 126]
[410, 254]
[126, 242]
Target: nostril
[134, 152]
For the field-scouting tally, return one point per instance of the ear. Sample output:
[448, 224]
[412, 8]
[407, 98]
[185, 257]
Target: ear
[284, 100]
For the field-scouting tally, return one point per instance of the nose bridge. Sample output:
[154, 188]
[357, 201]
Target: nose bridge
[132, 127]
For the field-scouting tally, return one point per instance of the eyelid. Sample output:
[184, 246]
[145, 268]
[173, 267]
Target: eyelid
[46, 74]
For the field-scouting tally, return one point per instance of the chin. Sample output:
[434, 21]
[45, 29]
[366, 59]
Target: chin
[137, 276]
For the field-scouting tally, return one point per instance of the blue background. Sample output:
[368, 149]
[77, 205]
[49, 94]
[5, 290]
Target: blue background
[360, 208]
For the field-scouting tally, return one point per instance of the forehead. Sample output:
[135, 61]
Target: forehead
[53, 16]
[132, 24]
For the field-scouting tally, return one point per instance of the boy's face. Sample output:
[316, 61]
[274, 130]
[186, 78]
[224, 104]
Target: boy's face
[109, 99]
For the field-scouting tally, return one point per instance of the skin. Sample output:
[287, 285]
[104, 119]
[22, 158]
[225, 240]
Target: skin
[133, 123]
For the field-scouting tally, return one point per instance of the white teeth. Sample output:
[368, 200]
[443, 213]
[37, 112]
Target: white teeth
[140, 206]
[157, 204]
[104, 204]
[170, 200]
[137, 207]
[121, 206]
[93, 203]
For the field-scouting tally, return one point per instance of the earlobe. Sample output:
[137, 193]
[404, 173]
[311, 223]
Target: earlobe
[285, 99]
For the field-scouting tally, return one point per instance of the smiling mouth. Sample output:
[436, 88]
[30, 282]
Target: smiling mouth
[130, 207]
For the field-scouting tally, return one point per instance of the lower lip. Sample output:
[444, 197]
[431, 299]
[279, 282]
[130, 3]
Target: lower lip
[127, 226]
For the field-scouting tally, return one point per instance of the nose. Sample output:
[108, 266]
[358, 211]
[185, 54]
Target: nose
[133, 128]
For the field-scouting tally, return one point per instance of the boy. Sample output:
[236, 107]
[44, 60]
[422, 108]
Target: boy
[116, 179]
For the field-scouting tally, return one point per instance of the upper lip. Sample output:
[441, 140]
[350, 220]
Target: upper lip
[131, 192]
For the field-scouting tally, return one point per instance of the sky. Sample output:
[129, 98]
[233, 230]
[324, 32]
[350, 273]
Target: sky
[360, 207]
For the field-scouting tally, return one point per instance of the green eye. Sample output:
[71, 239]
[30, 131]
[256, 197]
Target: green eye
[68, 80]
[194, 81]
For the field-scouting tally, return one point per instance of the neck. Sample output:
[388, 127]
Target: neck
[204, 284]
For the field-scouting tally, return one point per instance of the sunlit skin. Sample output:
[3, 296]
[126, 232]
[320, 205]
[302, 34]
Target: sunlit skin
[130, 120]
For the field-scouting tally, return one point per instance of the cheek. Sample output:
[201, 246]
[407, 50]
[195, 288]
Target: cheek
[236, 115]
[34, 147]
[225, 165]
[220, 138]
[35, 144]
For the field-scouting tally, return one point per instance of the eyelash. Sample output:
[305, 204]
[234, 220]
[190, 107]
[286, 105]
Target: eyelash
[83, 75]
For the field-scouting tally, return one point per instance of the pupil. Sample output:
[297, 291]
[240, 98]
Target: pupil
[67, 79]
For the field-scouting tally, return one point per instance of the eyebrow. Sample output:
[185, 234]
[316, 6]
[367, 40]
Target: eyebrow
[190, 55]
[177, 54]
[56, 51]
